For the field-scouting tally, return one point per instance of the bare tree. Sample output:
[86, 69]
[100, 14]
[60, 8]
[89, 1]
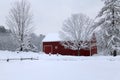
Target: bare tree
[76, 32]
[20, 21]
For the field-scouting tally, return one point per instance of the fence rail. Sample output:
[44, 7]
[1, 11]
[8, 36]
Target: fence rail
[9, 59]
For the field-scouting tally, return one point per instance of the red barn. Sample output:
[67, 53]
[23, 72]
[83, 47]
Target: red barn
[52, 44]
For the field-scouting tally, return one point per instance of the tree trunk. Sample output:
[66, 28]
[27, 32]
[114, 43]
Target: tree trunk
[115, 53]
[21, 44]
[78, 51]
[21, 48]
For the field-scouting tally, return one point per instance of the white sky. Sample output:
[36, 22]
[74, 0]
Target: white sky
[50, 14]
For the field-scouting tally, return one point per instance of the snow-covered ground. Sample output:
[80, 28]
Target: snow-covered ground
[58, 67]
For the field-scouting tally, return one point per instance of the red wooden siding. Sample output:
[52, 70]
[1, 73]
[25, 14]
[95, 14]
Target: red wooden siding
[48, 48]
[56, 47]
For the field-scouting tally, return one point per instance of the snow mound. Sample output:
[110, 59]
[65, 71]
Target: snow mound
[58, 67]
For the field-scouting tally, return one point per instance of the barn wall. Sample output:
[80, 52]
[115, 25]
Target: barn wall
[56, 47]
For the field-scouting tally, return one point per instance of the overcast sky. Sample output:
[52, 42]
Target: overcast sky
[50, 14]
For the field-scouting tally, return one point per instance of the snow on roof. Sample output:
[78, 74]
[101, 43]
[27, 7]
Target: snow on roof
[52, 37]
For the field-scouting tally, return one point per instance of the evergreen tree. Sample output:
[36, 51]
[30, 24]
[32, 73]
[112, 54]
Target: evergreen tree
[109, 21]
[2, 29]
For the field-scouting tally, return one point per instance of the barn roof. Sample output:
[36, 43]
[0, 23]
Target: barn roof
[52, 37]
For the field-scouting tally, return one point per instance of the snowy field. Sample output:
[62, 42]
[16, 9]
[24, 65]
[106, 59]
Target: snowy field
[58, 67]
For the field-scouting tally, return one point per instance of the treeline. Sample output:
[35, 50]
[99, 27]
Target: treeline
[7, 41]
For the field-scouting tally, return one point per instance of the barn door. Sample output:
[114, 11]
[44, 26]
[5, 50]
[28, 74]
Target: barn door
[48, 48]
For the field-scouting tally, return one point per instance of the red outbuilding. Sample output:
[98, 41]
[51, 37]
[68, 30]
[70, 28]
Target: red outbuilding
[52, 44]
